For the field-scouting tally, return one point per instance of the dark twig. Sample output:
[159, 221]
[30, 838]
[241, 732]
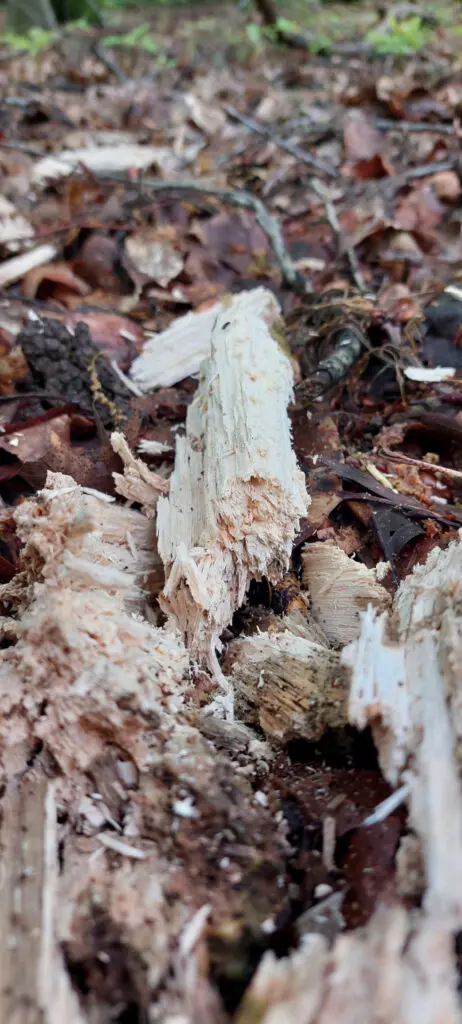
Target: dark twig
[101, 53]
[236, 197]
[392, 185]
[288, 147]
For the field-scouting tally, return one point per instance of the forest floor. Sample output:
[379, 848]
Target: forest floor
[354, 147]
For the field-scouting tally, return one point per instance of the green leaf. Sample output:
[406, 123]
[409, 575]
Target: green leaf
[33, 42]
[139, 36]
[254, 33]
[402, 37]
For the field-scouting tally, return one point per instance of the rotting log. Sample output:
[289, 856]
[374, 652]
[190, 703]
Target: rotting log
[163, 847]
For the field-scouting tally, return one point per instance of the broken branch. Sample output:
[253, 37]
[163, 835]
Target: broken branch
[236, 493]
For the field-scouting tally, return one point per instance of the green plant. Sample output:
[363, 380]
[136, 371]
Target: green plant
[139, 36]
[403, 37]
[33, 41]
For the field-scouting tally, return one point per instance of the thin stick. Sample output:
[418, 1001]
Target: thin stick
[415, 126]
[333, 221]
[289, 147]
[453, 474]
[236, 197]
[109, 62]
[315, 186]
[22, 147]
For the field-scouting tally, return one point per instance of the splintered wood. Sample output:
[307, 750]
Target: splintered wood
[340, 589]
[175, 353]
[35, 987]
[291, 686]
[81, 654]
[174, 864]
[410, 690]
[236, 493]
[157, 823]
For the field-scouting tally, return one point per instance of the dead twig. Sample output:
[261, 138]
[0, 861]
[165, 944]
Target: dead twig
[333, 221]
[101, 53]
[414, 126]
[392, 185]
[315, 186]
[235, 197]
[432, 467]
[288, 147]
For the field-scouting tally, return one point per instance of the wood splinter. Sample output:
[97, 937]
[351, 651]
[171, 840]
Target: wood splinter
[236, 493]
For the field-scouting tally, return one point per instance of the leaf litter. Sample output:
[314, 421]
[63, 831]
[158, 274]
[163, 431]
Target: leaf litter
[119, 236]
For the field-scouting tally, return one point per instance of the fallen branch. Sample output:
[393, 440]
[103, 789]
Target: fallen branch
[236, 494]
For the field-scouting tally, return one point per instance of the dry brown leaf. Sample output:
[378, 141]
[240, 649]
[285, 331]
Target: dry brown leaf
[365, 147]
[397, 301]
[210, 119]
[30, 443]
